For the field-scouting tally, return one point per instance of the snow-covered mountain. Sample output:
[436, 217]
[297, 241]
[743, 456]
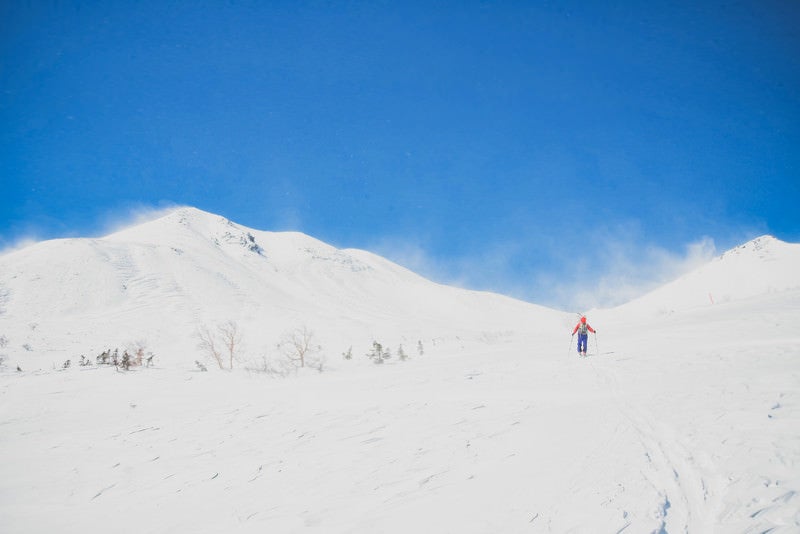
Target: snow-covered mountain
[684, 418]
[761, 266]
[159, 281]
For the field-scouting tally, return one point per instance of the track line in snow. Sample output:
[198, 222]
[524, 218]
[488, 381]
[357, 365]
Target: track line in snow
[687, 502]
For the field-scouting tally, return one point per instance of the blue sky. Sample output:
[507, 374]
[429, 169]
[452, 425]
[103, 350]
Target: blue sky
[567, 153]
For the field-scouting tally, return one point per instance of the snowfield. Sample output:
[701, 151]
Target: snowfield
[684, 418]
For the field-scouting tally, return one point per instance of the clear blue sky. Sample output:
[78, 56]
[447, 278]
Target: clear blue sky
[540, 149]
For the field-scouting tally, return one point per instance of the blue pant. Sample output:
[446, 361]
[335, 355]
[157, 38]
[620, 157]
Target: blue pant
[582, 341]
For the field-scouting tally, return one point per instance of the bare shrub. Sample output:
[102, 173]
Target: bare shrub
[208, 344]
[280, 367]
[224, 344]
[299, 347]
[231, 339]
[137, 348]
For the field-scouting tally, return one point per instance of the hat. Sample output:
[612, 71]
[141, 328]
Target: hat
[583, 319]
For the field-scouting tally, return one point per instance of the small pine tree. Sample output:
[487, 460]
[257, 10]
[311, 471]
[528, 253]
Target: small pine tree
[401, 353]
[420, 348]
[376, 354]
[349, 354]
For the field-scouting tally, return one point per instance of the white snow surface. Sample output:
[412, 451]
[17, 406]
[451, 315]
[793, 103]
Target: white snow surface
[685, 417]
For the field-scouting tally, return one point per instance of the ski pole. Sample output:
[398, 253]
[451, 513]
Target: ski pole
[596, 348]
[570, 344]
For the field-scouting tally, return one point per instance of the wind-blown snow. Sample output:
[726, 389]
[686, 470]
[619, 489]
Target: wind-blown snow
[685, 418]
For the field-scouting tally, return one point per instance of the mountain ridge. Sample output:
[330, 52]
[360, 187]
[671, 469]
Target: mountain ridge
[162, 279]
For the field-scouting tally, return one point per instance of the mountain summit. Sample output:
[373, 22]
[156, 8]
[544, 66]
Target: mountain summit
[763, 265]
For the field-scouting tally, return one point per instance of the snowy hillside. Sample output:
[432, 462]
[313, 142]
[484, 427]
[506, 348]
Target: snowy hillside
[763, 265]
[685, 417]
[156, 283]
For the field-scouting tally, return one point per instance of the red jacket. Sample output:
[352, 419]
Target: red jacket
[589, 328]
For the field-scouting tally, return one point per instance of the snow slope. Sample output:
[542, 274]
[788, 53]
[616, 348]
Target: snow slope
[687, 421]
[763, 265]
[159, 281]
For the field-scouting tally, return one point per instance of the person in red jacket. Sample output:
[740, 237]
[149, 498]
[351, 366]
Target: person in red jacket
[583, 330]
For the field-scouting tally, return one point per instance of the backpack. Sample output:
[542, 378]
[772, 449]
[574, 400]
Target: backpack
[583, 329]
